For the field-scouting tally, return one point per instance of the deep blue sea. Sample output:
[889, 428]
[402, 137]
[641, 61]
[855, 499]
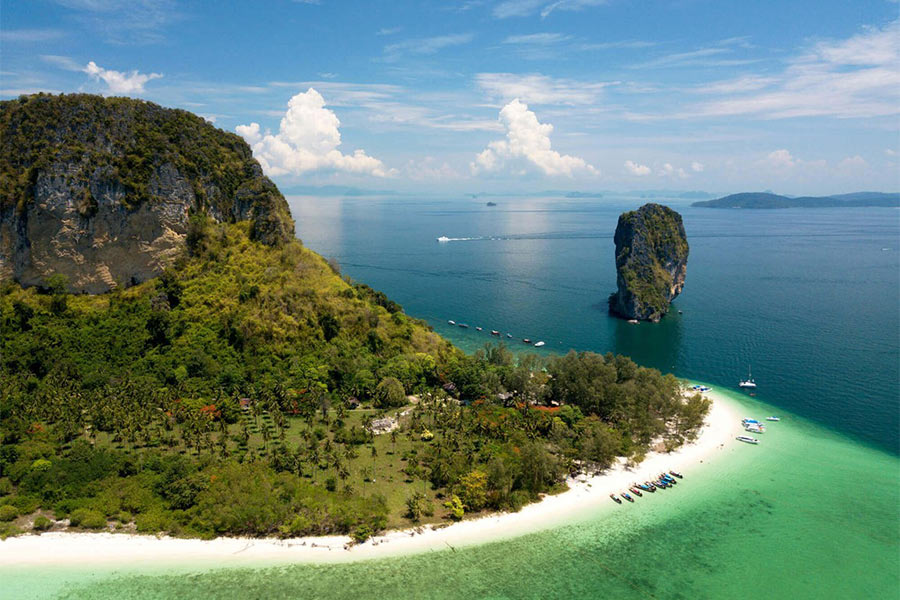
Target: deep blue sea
[809, 299]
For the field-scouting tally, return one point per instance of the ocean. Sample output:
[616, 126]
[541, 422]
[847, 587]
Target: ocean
[809, 299]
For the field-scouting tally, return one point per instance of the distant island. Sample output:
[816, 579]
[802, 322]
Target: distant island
[769, 200]
[491, 204]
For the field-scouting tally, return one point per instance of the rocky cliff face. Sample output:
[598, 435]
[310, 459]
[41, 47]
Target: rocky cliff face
[651, 262]
[102, 190]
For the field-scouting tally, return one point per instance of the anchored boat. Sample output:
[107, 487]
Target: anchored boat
[748, 383]
[747, 439]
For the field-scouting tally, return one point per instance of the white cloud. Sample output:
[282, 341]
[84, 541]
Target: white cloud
[126, 22]
[541, 39]
[307, 140]
[637, 169]
[697, 167]
[853, 78]
[779, 159]
[853, 164]
[890, 152]
[783, 163]
[668, 170]
[29, 35]
[118, 82]
[540, 89]
[526, 147]
[524, 8]
[394, 52]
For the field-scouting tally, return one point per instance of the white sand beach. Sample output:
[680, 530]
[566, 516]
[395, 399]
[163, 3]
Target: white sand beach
[584, 494]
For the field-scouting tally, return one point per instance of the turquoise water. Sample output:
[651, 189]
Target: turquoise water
[809, 297]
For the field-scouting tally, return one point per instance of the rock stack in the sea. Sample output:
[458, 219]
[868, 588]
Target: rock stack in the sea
[651, 262]
[103, 190]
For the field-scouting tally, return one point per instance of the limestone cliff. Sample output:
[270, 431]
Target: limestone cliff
[651, 262]
[102, 190]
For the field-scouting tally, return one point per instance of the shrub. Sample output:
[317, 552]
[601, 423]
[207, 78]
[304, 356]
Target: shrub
[6, 486]
[8, 512]
[42, 523]
[87, 518]
[155, 521]
[455, 505]
[362, 533]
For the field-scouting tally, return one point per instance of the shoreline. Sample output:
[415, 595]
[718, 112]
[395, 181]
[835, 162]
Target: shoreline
[585, 494]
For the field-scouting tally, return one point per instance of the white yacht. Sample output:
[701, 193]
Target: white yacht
[748, 383]
[747, 439]
[538, 344]
[443, 238]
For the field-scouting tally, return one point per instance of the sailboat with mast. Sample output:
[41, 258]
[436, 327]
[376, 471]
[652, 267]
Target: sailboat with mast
[748, 383]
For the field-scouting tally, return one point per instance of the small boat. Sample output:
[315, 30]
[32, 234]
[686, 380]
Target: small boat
[747, 439]
[463, 325]
[748, 383]
[680, 312]
[526, 340]
[773, 418]
[668, 479]
[538, 344]
[660, 484]
[746, 421]
[443, 239]
[627, 497]
[650, 485]
[633, 321]
[494, 332]
[677, 474]
[452, 322]
[614, 499]
[636, 492]
[478, 329]
[754, 428]
[509, 335]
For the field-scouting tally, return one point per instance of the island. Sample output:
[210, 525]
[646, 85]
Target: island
[760, 200]
[175, 362]
[651, 262]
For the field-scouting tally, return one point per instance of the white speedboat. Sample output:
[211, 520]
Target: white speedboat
[773, 418]
[748, 383]
[451, 322]
[754, 428]
[443, 238]
[747, 439]
[538, 344]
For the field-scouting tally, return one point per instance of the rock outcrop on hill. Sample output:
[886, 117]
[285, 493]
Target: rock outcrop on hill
[103, 190]
[651, 262]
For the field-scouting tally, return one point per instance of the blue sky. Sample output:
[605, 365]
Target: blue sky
[798, 97]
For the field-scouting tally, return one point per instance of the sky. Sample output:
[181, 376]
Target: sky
[797, 97]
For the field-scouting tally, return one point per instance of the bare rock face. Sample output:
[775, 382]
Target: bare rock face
[651, 262]
[102, 190]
